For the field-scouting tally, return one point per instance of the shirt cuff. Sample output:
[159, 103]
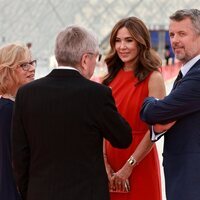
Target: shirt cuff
[156, 136]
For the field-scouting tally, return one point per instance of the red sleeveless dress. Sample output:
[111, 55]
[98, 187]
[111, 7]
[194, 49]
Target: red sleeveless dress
[145, 181]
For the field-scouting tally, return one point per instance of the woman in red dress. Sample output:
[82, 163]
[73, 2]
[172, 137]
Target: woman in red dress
[133, 75]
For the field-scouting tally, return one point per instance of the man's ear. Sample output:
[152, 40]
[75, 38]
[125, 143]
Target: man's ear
[84, 62]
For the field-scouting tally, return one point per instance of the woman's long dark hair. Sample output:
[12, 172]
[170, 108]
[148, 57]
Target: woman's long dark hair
[148, 60]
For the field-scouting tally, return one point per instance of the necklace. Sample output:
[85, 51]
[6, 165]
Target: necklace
[9, 96]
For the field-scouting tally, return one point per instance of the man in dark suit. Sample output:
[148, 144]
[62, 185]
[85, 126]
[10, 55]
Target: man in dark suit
[59, 124]
[181, 156]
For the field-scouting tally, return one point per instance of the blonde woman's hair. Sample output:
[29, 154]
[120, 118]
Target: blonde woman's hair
[11, 55]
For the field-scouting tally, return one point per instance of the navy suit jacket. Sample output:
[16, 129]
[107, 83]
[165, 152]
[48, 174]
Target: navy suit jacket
[59, 124]
[181, 155]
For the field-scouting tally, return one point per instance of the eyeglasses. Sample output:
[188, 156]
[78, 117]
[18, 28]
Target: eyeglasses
[26, 66]
[99, 56]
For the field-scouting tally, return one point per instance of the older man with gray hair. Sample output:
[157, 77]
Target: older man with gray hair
[59, 124]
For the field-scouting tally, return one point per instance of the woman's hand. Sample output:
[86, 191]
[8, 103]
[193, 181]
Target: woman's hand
[121, 178]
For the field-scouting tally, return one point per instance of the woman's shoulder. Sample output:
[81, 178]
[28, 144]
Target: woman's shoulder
[153, 77]
[156, 85]
[156, 76]
[6, 104]
[6, 108]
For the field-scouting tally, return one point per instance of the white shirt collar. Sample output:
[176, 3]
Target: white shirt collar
[185, 68]
[67, 67]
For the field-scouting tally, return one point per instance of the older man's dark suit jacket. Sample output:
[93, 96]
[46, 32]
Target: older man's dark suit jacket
[58, 127]
[181, 156]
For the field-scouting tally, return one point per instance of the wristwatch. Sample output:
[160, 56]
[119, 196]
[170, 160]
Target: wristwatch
[132, 161]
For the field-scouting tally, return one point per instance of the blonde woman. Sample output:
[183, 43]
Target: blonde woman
[16, 69]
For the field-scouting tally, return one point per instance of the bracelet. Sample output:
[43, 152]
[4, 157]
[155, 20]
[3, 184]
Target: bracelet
[132, 161]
